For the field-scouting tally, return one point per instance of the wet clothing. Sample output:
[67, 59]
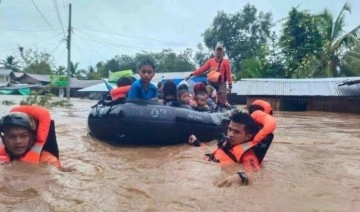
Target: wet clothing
[137, 91]
[240, 153]
[119, 92]
[265, 105]
[35, 154]
[267, 124]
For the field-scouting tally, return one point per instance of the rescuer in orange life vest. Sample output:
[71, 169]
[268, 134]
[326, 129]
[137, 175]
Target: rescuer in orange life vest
[28, 135]
[247, 141]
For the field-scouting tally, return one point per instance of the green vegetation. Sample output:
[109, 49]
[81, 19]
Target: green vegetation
[8, 102]
[44, 98]
[309, 45]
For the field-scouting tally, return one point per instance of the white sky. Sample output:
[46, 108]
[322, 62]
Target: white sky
[104, 28]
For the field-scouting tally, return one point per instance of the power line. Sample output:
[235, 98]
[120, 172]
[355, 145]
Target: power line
[59, 18]
[43, 16]
[129, 36]
[122, 45]
[34, 44]
[24, 30]
[104, 41]
[90, 46]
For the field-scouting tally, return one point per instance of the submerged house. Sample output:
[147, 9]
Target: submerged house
[320, 94]
[5, 77]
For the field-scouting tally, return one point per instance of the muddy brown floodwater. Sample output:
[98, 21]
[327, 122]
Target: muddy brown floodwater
[312, 165]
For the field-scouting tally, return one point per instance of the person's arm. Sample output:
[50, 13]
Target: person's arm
[194, 141]
[228, 73]
[134, 91]
[48, 158]
[200, 70]
[267, 121]
[251, 163]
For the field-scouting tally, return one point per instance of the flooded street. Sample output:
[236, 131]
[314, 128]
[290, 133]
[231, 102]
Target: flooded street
[312, 165]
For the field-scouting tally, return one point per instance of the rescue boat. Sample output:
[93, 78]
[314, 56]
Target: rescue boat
[150, 123]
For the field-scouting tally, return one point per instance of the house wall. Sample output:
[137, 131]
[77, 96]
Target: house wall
[327, 104]
[274, 101]
[334, 104]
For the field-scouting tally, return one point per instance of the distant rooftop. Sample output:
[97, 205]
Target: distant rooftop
[297, 87]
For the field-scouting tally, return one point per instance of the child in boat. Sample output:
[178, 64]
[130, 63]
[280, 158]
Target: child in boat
[183, 96]
[212, 97]
[169, 91]
[123, 86]
[200, 100]
[143, 88]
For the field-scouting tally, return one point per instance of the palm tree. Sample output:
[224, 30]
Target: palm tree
[74, 72]
[10, 63]
[337, 42]
[351, 62]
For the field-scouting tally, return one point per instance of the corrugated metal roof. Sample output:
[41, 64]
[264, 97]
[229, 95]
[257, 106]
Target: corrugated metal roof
[5, 71]
[169, 75]
[297, 87]
[75, 83]
[40, 77]
[100, 87]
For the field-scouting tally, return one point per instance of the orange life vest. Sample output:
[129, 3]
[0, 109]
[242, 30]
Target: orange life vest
[263, 104]
[224, 156]
[267, 123]
[42, 115]
[119, 92]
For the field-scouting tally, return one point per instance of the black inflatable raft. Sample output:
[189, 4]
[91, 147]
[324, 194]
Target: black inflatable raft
[149, 123]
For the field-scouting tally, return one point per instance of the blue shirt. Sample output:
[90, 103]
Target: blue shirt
[137, 91]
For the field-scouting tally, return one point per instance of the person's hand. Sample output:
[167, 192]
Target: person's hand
[229, 88]
[192, 139]
[234, 179]
[188, 77]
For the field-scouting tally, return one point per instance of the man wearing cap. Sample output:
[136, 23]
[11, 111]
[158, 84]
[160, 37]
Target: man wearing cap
[222, 66]
[24, 132]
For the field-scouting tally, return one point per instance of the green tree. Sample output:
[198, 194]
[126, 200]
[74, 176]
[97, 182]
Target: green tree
[11, 63]
[60, 70]
[351, 62]
[77, 73]
[251, 68]
[301, 42]
[244, 34]
[201, 56]
[337, 43]
[36, 62]
[92, 74]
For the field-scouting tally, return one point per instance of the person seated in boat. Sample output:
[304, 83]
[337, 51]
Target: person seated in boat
[200, 100]
[169, 92]
[160, 90]
[123, 86]
[183, 97]
[198, 87]
[143, 88]
[28, 135]
[242, 145]
[212, 99]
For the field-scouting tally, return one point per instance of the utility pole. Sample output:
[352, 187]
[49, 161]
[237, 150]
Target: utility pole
[69, 54]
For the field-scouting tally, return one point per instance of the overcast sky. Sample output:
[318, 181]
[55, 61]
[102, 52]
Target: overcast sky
[104, 28]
